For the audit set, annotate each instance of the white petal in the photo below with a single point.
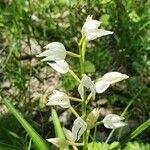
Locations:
(102, 32)
(81, 90)
(119, 124)
(93, 90)
(79, 126)
(56, 51)
(90, 25)
(93, 34)
(86, 81)
(59, 142)
(55, 46)
(61, 66)
(69, 135)
(101, 86)
(114, 77)
(59, 98)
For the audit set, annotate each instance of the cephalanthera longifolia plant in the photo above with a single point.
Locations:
(79, 135)
(55, 54)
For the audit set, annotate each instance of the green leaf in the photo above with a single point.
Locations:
(136, 132)
(105, 19)
(137, 146)
(98, 146)
(4, 146)
(89, 67)
(37, 139)
(68, 81)
(58, 129)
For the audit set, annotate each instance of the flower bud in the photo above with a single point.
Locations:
(92, 117)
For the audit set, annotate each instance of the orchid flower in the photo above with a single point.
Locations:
(54, 51)
(91, 31)
(113, 121)
(108, 79)
(79, 127)
(59, 98)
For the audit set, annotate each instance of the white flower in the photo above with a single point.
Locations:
(79, 126)
(86, 82)
(59, 98)
(92, 117)
(108, 79)
(54, 51)
(59, 142)
(60, 65)
(113, 121)
(91, 31)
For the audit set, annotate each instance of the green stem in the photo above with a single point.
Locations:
(82, 49)
(94, 136)
(110, 135)
(75, 99)
(74, 75)
(74, 111)
(98, 123)
(72, 54)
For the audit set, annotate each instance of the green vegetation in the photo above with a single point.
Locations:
(26, 26)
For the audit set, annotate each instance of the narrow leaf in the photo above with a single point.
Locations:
(134, 134)
(37, 139)
(58, 129)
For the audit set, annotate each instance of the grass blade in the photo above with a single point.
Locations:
(37, 139)
(58, 129)
(136, 132)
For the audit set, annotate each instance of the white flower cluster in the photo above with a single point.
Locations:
(55, 55)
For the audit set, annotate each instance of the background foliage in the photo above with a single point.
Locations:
(27, 25)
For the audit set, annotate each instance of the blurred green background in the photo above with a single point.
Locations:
(26, 26)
